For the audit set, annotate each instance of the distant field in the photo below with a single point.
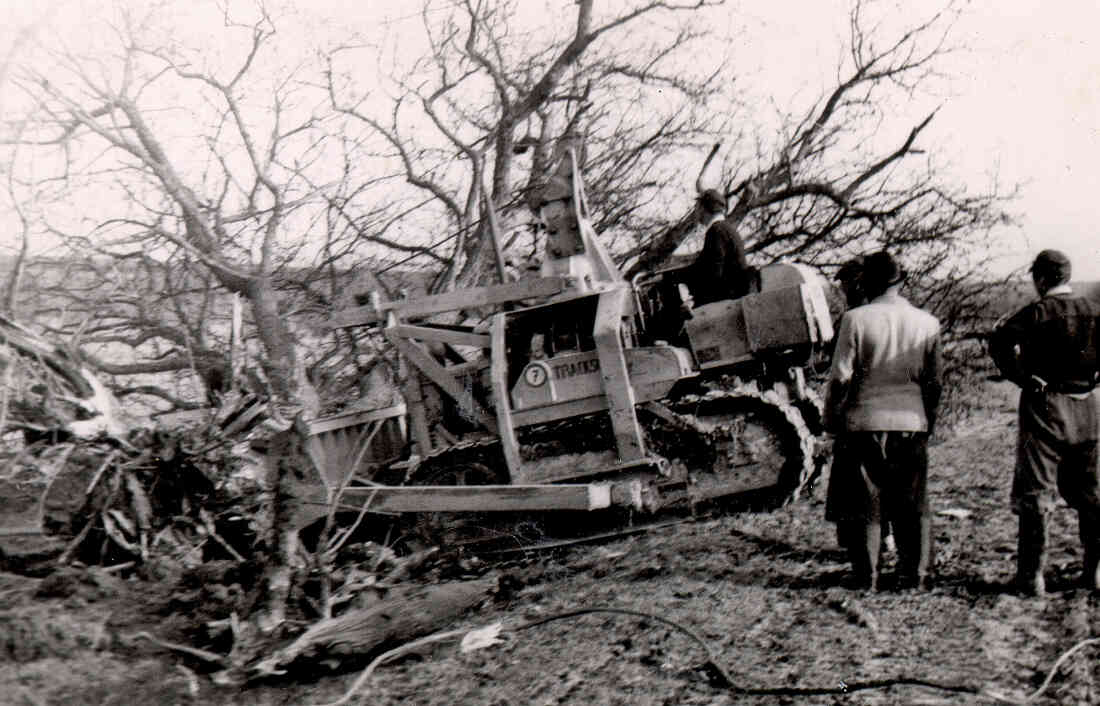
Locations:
(1008, 298)
(1087, 289)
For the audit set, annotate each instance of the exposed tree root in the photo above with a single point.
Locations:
(389, 656)
(1001, 698)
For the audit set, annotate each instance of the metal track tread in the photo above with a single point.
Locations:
(688, 432)
(721, 409)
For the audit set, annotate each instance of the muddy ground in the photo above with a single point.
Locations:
(765, 594)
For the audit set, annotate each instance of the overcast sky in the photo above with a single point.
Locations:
(1024, 102)
(1030, 103)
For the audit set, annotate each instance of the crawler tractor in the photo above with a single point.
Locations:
(584, 391)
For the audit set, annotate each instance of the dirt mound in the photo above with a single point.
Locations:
(36, 633)
(50, 618)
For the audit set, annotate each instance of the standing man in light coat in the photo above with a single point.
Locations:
(884, 390)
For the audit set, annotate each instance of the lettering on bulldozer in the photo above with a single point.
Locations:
(581, 367)
(595, 396)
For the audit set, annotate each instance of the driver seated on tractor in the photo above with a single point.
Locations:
(720, 271)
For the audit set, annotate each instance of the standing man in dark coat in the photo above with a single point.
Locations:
(1050, 349)
(884, 391)
(720, 271)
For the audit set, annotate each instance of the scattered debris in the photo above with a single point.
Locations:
(854, 611)
(481, 638)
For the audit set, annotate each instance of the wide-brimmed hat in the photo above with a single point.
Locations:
(712, 201)
(1051, 264)
(881, 270)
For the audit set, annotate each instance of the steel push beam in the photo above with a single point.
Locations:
(490, 498)
(617, 385)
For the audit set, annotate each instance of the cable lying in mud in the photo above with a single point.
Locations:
(718, 674)
(843, 687)
(711, 660)
(723, 678)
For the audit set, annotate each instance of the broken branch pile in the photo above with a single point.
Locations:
(107, 486)
(210, 507)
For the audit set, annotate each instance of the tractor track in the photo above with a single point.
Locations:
(690, 433)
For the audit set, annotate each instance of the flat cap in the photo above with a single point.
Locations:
(1051, 263)
(881, 270)
(713, 201)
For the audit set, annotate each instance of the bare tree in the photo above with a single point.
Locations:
(196, 182)
(832, 184)
(17, 208)
(9, 298)
(271, 191)
(490, 94)
(489, 101)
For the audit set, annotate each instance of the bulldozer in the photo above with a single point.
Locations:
(584, 391)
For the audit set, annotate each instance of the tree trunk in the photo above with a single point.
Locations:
(294, 401)
(285, 372)
(405, 614)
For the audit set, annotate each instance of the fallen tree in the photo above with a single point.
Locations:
(47, 392)
(405, 613)
(55, 414)
(108, 488)
(217, 502)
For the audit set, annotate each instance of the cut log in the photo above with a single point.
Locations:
(403, 615)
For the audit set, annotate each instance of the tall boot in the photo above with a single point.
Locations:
(914, 537)
(865, 542)
(845, 528)
(1031, 552)
(1089, 527)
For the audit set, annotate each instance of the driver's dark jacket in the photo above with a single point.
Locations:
(721, 270)
(1056, 338)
